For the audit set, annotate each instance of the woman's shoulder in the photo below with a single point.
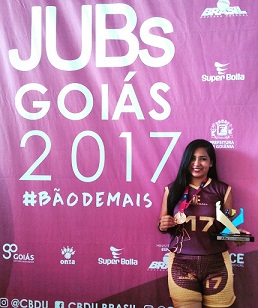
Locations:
(169, 186)
(218, 182)
(218, 185)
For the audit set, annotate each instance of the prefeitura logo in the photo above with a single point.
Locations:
(222, 131)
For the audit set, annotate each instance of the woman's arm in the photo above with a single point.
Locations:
(165, 221)
(228, 207)
(228, 203)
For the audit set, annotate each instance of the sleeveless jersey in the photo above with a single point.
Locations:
(194, 236)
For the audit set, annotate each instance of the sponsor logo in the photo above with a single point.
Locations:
(221, 68)
(67, 253)
(10, 251)
(117, 258)
(223, 9)
(116, 252)
(222, 74)
(237, 260)
(160, 265)
(222, 131)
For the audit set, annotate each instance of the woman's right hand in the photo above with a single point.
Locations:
(166, 222)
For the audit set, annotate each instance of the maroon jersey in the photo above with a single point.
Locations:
(194, 236)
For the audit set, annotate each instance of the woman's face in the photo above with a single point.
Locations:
(200, 164)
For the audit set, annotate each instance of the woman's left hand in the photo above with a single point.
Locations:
(241, 243)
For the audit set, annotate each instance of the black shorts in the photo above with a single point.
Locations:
(207, 279)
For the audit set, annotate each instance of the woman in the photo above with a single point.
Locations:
(199, 272)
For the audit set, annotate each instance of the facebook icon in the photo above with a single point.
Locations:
(59, 304)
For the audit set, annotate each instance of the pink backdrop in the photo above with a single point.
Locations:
(98, 101)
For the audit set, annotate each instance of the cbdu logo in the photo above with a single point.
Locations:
(23, 303)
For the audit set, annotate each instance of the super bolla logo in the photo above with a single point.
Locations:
(223, 72)
(117, 258)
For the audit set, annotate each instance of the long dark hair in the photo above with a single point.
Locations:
(183, 178)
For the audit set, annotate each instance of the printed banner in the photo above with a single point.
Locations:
(98, 101)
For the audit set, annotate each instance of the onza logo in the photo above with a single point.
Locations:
(67, 252)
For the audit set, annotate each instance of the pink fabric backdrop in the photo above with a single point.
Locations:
(98, 101)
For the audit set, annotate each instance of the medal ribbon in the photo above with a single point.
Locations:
(184, 205)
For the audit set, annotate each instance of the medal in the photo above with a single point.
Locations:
(180, 218)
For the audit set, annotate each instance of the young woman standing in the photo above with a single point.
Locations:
(199, 272)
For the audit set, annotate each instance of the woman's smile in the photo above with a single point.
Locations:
(200, 164)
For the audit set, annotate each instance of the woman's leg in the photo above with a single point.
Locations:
(196, 305)
(184, 287)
